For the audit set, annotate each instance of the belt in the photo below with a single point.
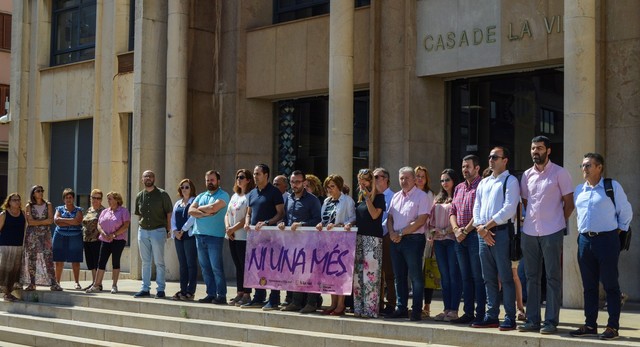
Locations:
(594, 233)
(498, 227)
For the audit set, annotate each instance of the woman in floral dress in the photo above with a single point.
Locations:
(368, 256)
(38, 266)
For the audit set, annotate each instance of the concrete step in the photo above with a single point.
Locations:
(189, 327)
(14, 336)
(110, 335)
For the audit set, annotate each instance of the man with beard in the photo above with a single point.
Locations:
(301, 209)
(266, 207)
(154, 207)
(467, 247)
(547, 196)
(497, 199)
(209, 209)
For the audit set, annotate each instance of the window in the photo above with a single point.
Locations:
(71, 146)
(132, 23)
(73, 34)
(303, 126)
(4, 97)
(5, 32)
(288, 10)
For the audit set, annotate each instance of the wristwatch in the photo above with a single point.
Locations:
(266, 222)
(400, 233)
(464, 231)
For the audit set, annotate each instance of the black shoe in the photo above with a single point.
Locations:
(142, 294)
(416, 316)
(221, 300)
(160, 294)
(584, 331)
(206, 300)
(609, 334)
(487, 323)
(464, 319)
(387, 311)
(253, 304)
(399, 314)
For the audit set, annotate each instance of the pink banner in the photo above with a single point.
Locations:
(305, 260)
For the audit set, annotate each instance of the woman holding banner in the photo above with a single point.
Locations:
(338, 210)
(368, 256)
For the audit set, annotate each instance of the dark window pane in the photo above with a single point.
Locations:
(87, 19)
(61, 4)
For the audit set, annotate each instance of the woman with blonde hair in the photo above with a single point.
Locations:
(368, 256)
(338, 210)
(314, 186)
(423, 182)
(90, 234)
(12, 227)
(113, 225)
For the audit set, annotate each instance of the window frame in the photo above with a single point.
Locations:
(55, 13)
(5, 40)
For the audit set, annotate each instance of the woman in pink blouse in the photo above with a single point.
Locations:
(113, 225)
(441, 233)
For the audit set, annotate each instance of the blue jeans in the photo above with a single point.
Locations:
(188, 260)
(534, 250)
(598, 261)
(210, 259)
(151, 244)
(473, 290)
(406, 258)
(449, 274)
(496, 265)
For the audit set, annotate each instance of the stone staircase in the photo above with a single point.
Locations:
(73, 318)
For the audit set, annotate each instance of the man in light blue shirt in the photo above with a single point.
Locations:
(493, 208)
(209, 209)
(599, 223)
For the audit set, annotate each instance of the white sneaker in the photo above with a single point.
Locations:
(451, 316)
(94, 289)
(114, 289)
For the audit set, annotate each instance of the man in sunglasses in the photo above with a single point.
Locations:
(493, 208)
(547, 196)
(209, 209)
(387, 284)
(599, 222)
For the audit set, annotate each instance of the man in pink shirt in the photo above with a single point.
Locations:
(407, 215)
(547, 195)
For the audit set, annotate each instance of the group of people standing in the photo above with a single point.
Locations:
(32, 255)
(468, 224)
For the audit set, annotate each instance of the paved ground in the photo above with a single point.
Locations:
(570, 318)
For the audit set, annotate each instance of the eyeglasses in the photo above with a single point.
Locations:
(96, 198)
(585, 166)
(14, 199)
(241, 177)
(39, 191)
(445, 180)
(185, 187)
(495, 157)
(364, 171)
(379, 176)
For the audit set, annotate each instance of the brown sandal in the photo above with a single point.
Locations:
(10, 297)
(30, 288)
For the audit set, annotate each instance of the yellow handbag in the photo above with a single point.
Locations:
(431, 272)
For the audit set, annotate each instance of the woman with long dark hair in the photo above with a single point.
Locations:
(37, 246)
(235, 233)
(444, 240)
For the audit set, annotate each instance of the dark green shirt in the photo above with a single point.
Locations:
(153, 207)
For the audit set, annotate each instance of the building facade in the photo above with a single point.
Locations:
(104, 90)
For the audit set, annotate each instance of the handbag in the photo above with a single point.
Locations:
(515, 248)
(431, 273)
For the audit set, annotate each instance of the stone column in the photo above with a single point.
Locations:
(579, 119)
(341, 89)
(149, 93)
(176, 103)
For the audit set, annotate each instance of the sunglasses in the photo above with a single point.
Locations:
(445, 180)
(39, 191)
(364, 171)
(584, 166)
(185, 187)
(96, 198)
(379, 176)
(495, 157)
(241, 177)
